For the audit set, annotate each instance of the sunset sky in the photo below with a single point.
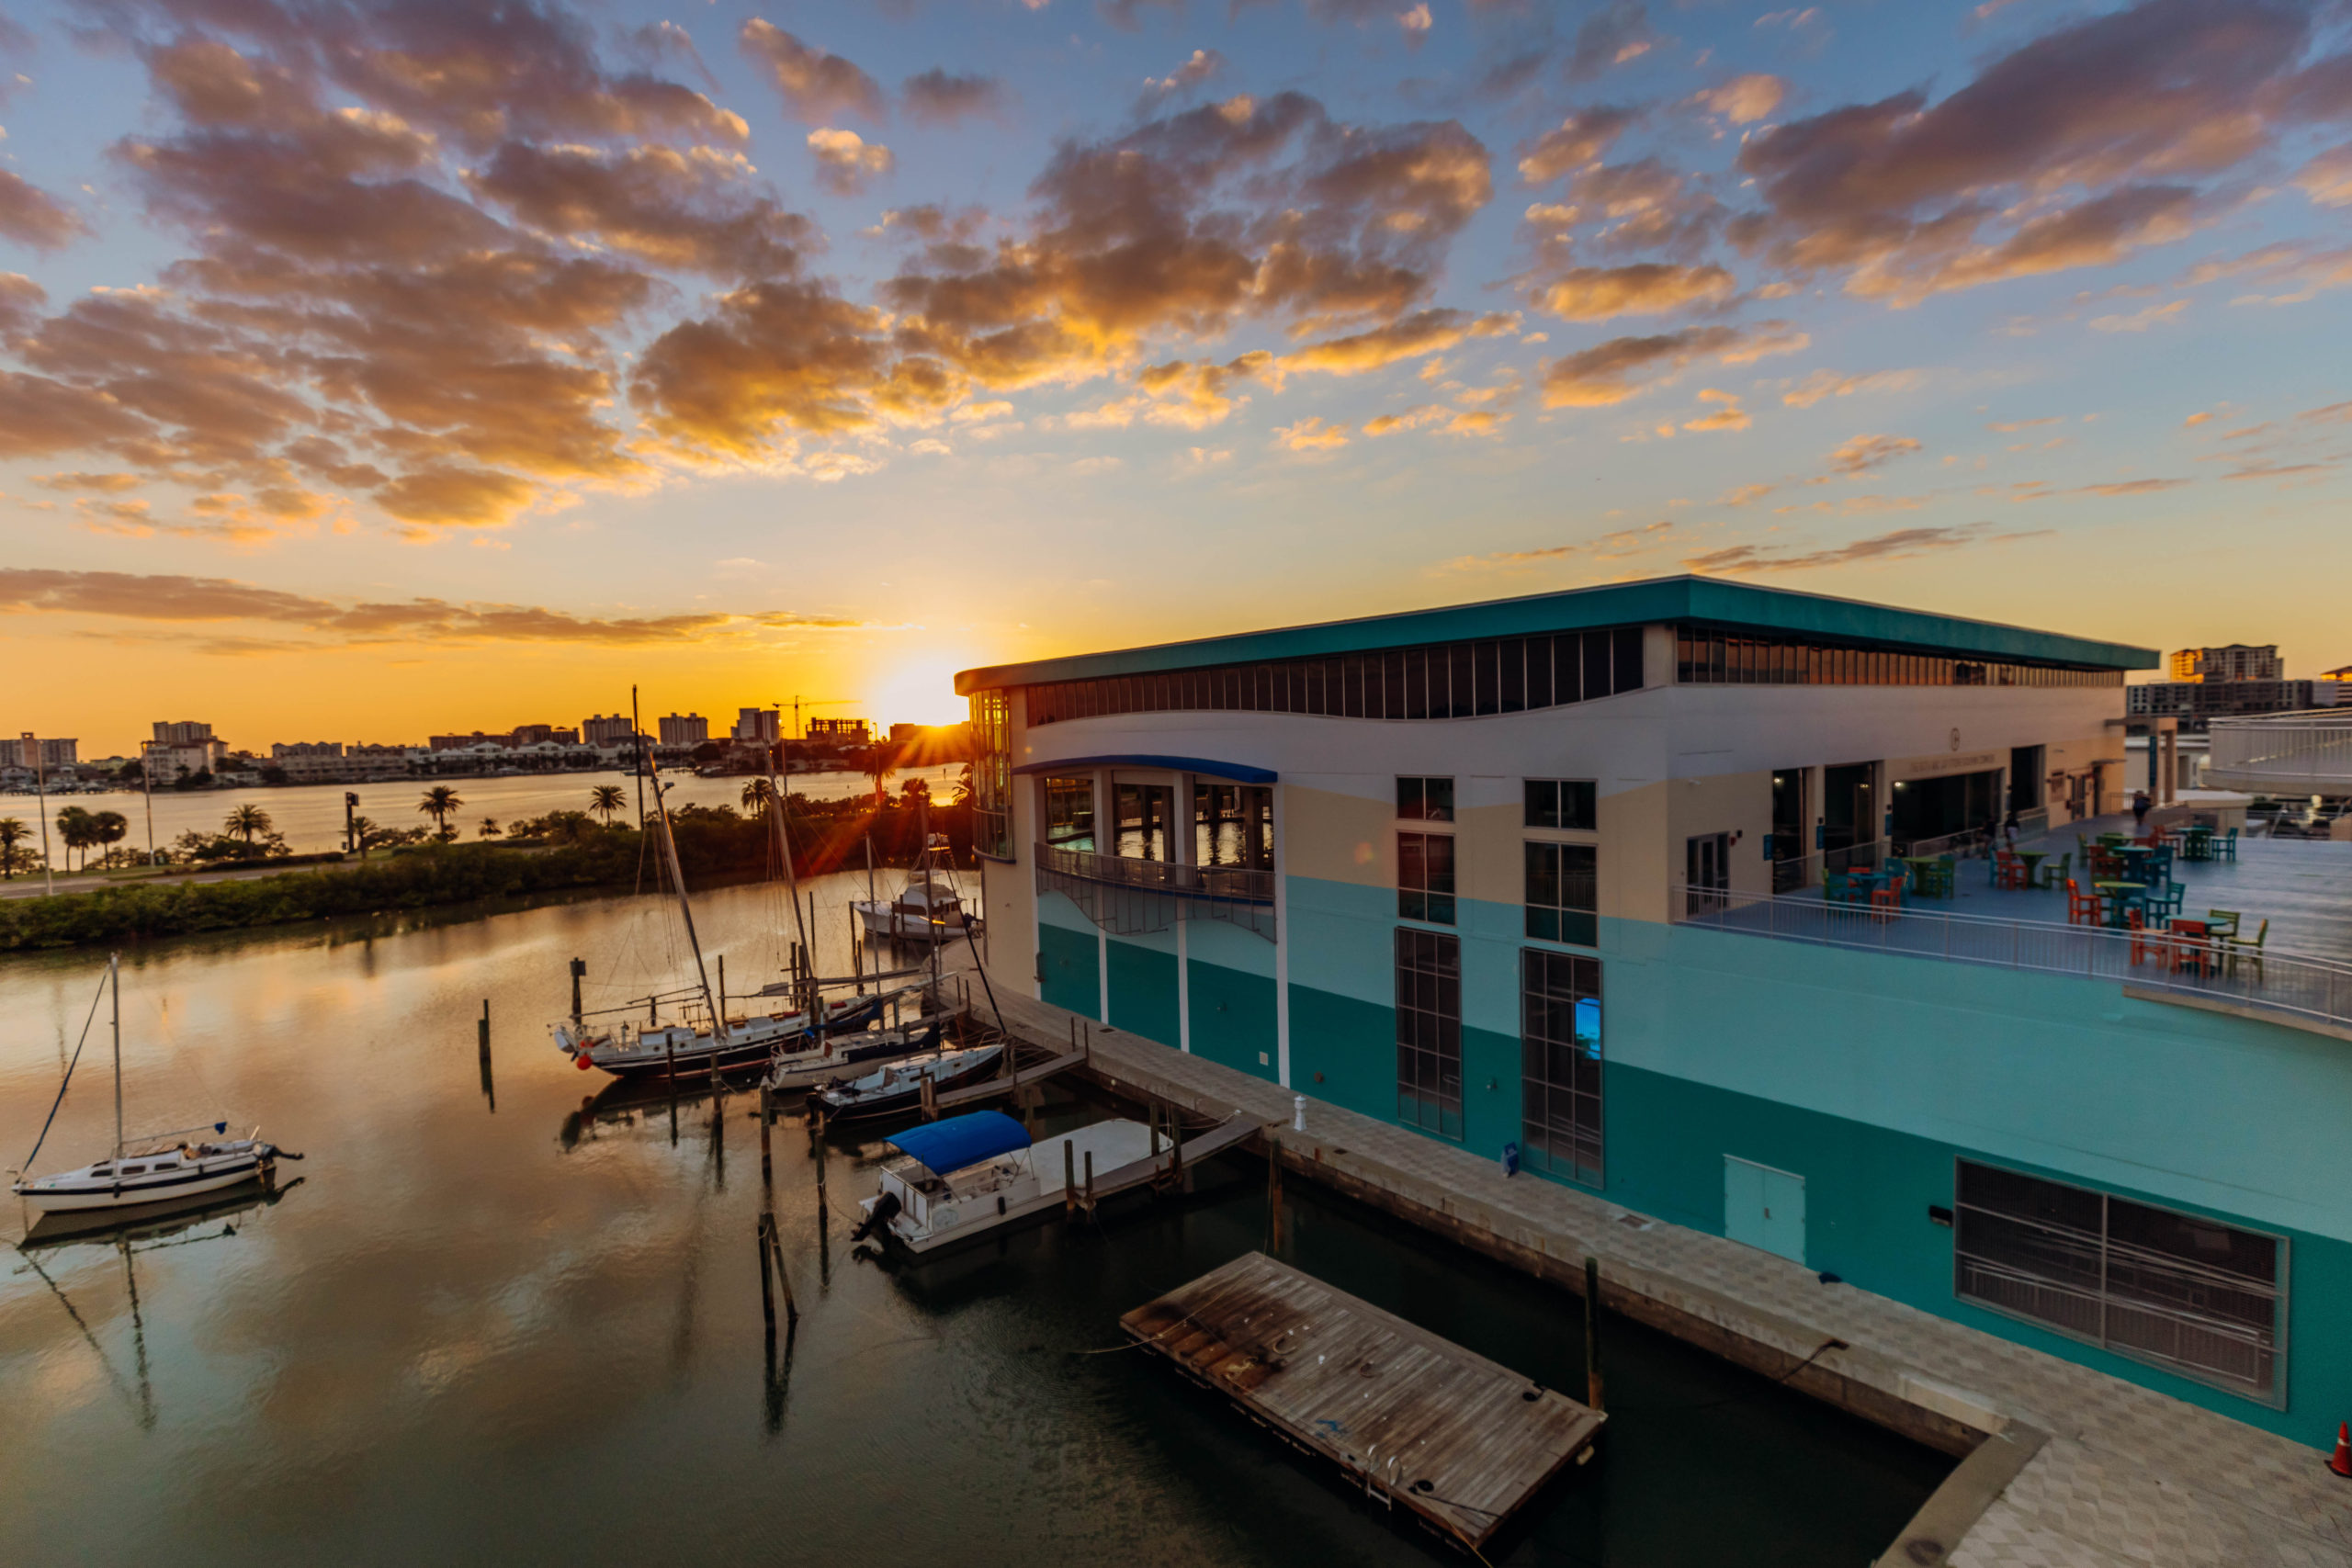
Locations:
(368, 369)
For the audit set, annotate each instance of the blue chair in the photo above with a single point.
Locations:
(2160, 864)
(2226, 848)
(2162, 901)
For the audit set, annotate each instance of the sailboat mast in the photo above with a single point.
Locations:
(783, 848)
(678, 879)
(114, 984)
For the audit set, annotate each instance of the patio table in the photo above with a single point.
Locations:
(2033, 859)
(2120, 896)
(2196, 843)
(2196, 950)
(2136, 862)
(2112, 840)
(1923, 871)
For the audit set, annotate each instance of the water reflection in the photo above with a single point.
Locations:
(532, 1329)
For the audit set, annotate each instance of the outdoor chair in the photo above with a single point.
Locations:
(2141, 942)
(2054, 876)
(2249, 951)
(2226, 847)
(2163, 899)
(1944, 878)
(2083, 908)
(2160, 864)
(2218, 918)
(2192, 953)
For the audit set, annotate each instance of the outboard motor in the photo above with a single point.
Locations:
(885, 1209)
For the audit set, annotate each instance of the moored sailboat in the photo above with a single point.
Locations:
(161, 1168)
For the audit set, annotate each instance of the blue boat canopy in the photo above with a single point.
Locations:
(959, 1140)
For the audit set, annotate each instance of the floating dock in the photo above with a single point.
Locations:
(1414, 1419)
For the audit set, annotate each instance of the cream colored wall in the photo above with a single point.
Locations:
(1738, 804)
(1012, 890)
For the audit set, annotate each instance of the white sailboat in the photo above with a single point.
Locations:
(897, 1086)
(158, 1168)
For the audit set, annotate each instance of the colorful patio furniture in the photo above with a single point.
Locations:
(2249, 951)
(2119, 898)
(2163, 899)
(2081, 908)
(2192, 947)
(2224, 848)
(2141, 942)
(2223, 922)
(2056, 876)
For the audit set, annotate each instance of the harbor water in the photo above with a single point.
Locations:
(503, 1315)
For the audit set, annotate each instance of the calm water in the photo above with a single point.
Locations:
(531, 1331)
(311, 816)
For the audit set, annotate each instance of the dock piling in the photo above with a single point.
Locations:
(767, 1161)
(1592, 1333)
(1090, 1180)
(1274, 1200)
(767, 1288)
(1070, 1178)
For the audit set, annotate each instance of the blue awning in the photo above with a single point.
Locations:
(960, 1140)
(1240, 772)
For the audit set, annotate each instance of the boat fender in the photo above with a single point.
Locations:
(580, 1061)
(999, 1205)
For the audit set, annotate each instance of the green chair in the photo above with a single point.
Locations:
(2249, 951)
(2223, 922)
(2054, 873)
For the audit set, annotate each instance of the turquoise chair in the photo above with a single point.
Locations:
(2162, 901)
(2226, 848)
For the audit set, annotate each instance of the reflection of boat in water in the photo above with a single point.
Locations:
(979, 1175)
(899, 1086)
(154, 1222)
(929, 909)
(161, 1168)
(824, 1060)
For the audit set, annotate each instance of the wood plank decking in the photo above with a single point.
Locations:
(1413, 1419)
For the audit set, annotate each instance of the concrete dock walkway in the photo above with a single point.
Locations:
(2067, 1466)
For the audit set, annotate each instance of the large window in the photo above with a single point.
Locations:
(1070, 813)
(1708, 658)
(1428, 1031)
(992, 775)
(1425, 877)
(1561, 802)
(1233, 825)
(1561, 894)
(1145, 821)
(1560, 1065)
(2190, 1294)
(1425, 800)
(1458, 680)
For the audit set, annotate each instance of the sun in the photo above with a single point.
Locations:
(919, 691)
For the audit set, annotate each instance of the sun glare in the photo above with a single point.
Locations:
(922, 692)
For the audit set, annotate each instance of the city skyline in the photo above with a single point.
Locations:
(836, 350)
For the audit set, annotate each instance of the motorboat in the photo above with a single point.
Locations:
(899, 1086)
(747, 1042)
(927, 910)
(822, 1058)
(161, 1168)
(970, 1175)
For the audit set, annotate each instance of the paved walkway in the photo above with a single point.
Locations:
(2128, 1478)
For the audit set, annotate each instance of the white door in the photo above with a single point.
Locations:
(1764, 1207)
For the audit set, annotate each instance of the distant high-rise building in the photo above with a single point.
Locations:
(2236, 661)
(2195, 702)
(600, 729)
(684, 730)
(45, 753)
(759, 727)
(840, 731)
(468, 742)
(283, 750)
(185, 732)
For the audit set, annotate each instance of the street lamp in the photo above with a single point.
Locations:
(147, 787)
(41, 789)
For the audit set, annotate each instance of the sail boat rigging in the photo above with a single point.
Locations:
(160, 1168)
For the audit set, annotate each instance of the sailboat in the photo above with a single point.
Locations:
(653, 1047)
(160, 1168)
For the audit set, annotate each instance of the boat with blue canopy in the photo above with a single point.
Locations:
(977, 1174)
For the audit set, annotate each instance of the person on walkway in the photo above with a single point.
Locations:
(2009, 830)
(2140, 804)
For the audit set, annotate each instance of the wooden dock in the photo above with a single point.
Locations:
(989, 1089)
(1414, 1419)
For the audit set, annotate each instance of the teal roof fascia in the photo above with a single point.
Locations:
(1737, 606)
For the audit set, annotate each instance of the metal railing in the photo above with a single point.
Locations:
(2266, 979)
(1807, 871)
(1126, 895)
(2305, 753)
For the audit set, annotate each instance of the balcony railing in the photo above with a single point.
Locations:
(2304, 988)
(2307, 753)
(1127, 896)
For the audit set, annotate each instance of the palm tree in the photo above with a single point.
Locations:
(605, 799)
(109, 828)
(248, 822)
(361, 827)
(878, 763)
(13, 832)
(489, 828)
(73, 829)
(439, 803)
(757, 794)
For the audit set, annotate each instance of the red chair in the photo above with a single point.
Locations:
(2192, 952)
(2141, 942)
(2083, 908)
(2012, 871)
